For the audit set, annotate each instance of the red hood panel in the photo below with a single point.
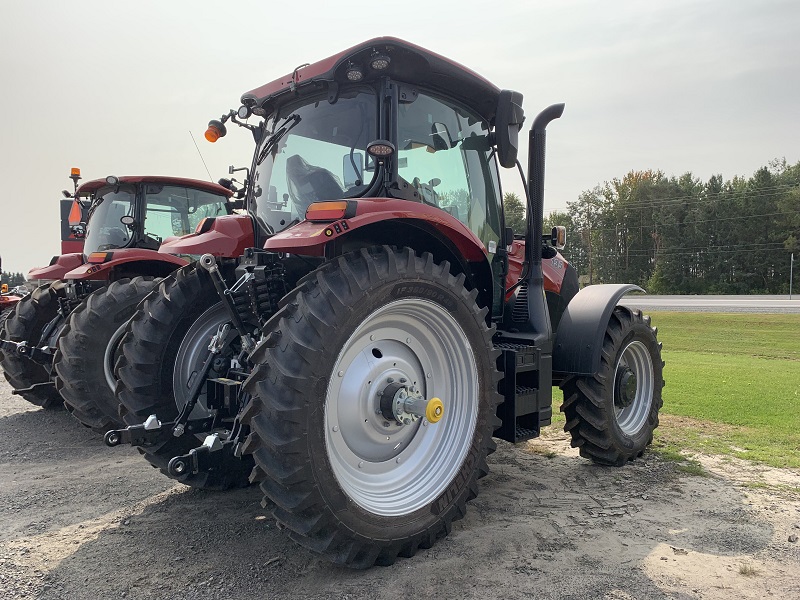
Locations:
(553, 269)
(101, 271)
(228, 237)
(309, 238)
(57, 269)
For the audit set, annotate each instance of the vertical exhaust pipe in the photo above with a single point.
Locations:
(539, 317)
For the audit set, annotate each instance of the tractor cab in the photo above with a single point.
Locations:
(385, 127)
(131, 213)
(143, 211)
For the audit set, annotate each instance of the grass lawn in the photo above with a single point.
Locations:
(733, 384)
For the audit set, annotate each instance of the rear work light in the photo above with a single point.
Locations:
(331, 211)
(100, 257)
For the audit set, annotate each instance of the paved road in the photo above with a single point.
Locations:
(721, 304)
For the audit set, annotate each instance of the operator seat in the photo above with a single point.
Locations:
(308, 183)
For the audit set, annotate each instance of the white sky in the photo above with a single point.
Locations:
(115, 87)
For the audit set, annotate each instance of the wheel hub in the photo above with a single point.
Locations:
(625, 388)
(405, 404)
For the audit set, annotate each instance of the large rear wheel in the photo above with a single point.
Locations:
(26, 323)
(165, 343)
(612, 415)
(353, 471)
(87, 347)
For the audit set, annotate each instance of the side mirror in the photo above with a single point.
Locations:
(507, 125)
(353, 169)
(558, 237)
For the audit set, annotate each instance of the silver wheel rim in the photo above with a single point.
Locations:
(193, 352)
(633, 417)
(396, 469)
(109, 356)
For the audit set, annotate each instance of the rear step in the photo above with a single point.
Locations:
(527, 393)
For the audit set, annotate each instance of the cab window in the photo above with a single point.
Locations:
(444, 153)
(176, 210)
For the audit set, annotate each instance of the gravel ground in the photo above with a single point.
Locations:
(80, 519)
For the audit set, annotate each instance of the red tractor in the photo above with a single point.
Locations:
(70, 243)
(58, 344)
(371, 324)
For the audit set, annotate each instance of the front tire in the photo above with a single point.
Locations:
(26, 324)
(612, 415)
(84, 358)
(346, 480)
(151, 379)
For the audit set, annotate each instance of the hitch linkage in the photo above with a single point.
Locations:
(153, 431)
(42, 356)
(209, 263)
(213, 455)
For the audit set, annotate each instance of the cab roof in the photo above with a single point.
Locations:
(410, 64)
(206, 186)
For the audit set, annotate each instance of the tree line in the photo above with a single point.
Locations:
(12, 279)
(682, 235)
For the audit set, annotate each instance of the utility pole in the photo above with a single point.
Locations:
(791, 273)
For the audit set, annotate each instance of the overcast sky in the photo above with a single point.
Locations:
(116, 87)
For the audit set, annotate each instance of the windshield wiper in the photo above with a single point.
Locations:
(93, 207)
(287, 126)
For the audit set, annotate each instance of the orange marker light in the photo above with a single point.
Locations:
(99, 257)
(74, 172)
(212, 134)
(327, 211)
(216, 129)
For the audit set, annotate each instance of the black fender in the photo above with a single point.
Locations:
(579, 337)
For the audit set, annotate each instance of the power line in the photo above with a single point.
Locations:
(702, 197)
(627, 228)
(695, 251)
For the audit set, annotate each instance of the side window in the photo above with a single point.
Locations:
(204, 204)
(173, 210)
(444, 154)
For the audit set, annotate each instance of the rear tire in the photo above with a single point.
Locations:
(25, 324)
(146, 368)
(317, 434)
(611, 416)
(86, 348)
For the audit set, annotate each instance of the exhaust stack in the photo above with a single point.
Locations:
(539, 319)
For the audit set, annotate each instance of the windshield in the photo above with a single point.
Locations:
(105, 231)
(315, 152)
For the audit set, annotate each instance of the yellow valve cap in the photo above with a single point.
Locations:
(434, 411)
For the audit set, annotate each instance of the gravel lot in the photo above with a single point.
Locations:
(80, 520)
